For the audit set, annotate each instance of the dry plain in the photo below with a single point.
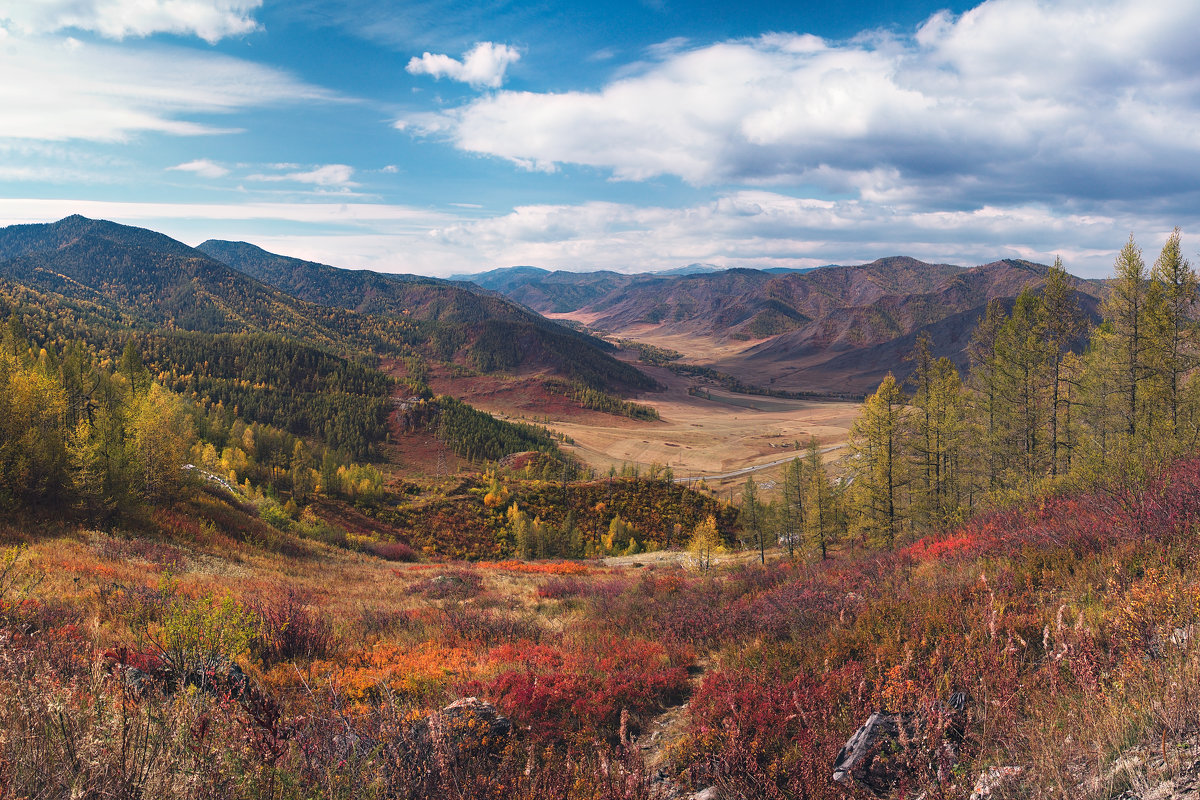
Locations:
(703, 433)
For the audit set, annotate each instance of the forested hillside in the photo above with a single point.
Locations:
(129, 354)
(483, 330)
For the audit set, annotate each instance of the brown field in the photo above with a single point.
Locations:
(696, 436)
(696, 349)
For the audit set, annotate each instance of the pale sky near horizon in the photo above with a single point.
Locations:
(442, 136)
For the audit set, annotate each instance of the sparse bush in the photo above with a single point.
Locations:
(394, 551)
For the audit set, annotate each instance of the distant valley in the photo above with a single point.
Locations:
(835, 329)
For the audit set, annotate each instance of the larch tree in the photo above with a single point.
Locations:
(791, 509)
(1021, 359)
(820, 521)
(753, 517)
(705, 543)
(1126, 310)
(1063, 326)
(1171, 327)
(985, 399)
(876, 442)
(937, 420)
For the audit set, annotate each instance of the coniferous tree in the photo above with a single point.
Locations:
(753, 518)
(938, 404)
(876, 442)
(821, 520)
(987, 404)
(1172, 325)
(792, 504)
(705, 543)
(1063, 325)
(1127, 310)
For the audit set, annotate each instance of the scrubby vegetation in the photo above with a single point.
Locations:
(280, 621)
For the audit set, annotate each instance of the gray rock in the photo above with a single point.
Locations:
(880, 753)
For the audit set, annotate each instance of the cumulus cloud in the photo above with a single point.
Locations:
(104, 92)
(759, 228)
(484, 65)
(749, 228)
(202, 167)
(211, 20)
(1015, 100)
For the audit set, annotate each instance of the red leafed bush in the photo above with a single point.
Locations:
(560, 693)
(394, 551)
(765, 736)
(288, 627)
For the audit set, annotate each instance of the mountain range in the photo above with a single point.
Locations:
(831, 329)
(152, 282)
(834, 329)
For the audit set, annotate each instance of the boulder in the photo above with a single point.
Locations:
(887, 747)
(466, 727)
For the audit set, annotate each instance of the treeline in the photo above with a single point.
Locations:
(1031, 415)
(473, 434)
(733, 384)
(103, 438)
(596, 400)
(264, 377)
(278, 382)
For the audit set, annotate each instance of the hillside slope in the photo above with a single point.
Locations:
(482, 329)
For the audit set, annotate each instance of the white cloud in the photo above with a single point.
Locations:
(210, 20)
(485, 64)
(1015, 101)
(328, 175)
(103, 92)
(755, 228)
(202, 167)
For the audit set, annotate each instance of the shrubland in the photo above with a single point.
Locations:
(288, 623)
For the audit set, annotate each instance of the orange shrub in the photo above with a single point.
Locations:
(420, 674)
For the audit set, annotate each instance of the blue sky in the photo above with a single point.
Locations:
(441, 136)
